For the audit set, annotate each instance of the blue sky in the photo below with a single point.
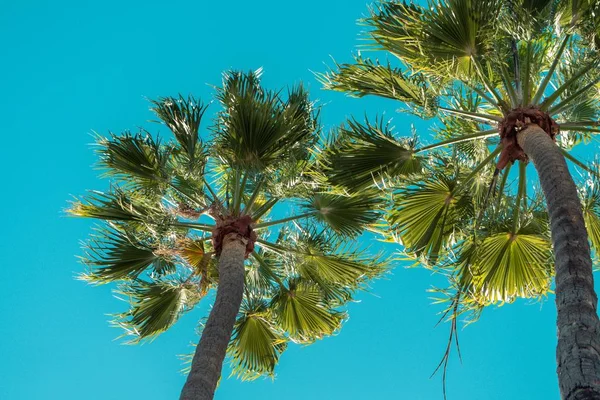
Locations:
(72, 67)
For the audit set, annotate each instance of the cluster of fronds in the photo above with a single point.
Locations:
(469, 63)
(159, 216)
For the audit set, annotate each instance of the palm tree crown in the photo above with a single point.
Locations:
(171, 203)
(479, 79)
(487, 70)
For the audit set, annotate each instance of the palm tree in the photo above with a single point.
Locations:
(495, 72)
(186, 216)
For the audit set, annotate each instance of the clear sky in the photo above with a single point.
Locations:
(70, 67)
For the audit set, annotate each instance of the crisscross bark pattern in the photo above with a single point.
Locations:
(578, 351)
(210, 352)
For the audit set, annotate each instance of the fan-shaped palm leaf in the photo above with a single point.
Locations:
(365, 77)
(155, 306)
(427, 214)
(258, 128)
(504, 266)
(114, 255)
(183, 117)
(135, 156)
(346, 215)
(256, 344)
(365, 153)
(300, 311)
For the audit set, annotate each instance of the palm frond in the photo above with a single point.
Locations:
(442, 37)
(365, 154)
(504, 267)
(155, 306)
(114, 254)
(346, 215)
(258, 129)
(366, 77)
(138, 159)
(116, 205)
(256, 344)
(590, 194)
(302, 313)
(428, 214)
(183, 117)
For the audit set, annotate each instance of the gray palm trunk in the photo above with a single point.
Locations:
(210, 352)
(578, 350)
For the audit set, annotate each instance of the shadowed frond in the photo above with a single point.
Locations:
(345, 215)
(258, 129)
(137, 159)
(364, 154)
(114, 254)
(155, 306)
(183, 117)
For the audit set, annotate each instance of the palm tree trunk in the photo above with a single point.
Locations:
(210, 352)
(578, 350)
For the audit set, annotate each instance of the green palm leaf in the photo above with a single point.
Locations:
(116, 205)
(155, 306)
(302, 313)
(170, 205)
(258, 129)
(366, 77)
(135, 158)
(505, 266)
(591, 208)
(426, 216)
(346, 215)
(183, 117)
(366, 153)
(114, 255)
(256, 344)
(444, 36)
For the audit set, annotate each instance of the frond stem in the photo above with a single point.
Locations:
(566, 102)
(579, 123)
(237, 203)
(526, 82)
(575, 161)
(254, 196)
(215, 198)
(194, 225)
(514, 101)
(483, 95)
(487, 118)
(265, 208)
(517, 69)
(465, 138)
(262, 262)
(520, 196)
(502, 185)
(580, 129)
(486, 83)
(542, 88)
(284, 220)
(556, 94)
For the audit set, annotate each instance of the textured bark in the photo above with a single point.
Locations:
(210, 352)
(578, 350)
